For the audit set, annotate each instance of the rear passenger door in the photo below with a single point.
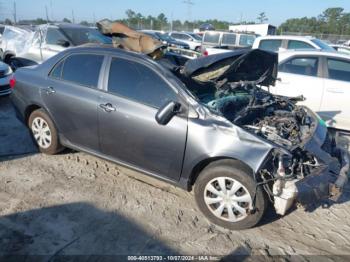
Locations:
(335, 103)
(129, 132)
(299, 75)
(71, 97)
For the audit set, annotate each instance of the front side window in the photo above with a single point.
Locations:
(270, 45)
(53, 35)
(137, 82)
(229, 39)
(338, 69)
(82, 69)
(294, 44)
(301, 66)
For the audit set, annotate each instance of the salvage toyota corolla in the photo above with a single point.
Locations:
(204, 124)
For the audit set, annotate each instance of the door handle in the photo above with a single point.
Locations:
(50, 90)
(108, 107)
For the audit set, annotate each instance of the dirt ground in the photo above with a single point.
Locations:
(75, 203)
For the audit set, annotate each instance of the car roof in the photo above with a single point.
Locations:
(311, 52)
(64, 25)
(104, 48)
(287, 37)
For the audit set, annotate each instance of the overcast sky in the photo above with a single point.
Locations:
(231, 10)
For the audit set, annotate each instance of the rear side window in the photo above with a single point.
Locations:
(211, 38)
(229, 39)
(57, 70)
(137, 82)
(270, 45)
(301, 66)
(246, 40)
(293, 44)
(82, 69)
(338, 70)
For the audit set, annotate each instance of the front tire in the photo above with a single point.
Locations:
(44, 132)
(225, 192)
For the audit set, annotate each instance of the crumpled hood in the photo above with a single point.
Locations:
(243, 65)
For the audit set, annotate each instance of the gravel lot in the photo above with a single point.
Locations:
(74, 203)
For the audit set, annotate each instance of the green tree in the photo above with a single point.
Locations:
(85, 23)
(8, 22)
(66, 20)
(262, 18)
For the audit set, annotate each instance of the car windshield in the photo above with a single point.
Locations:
(197, 37)
(322, 45)
(80, 36)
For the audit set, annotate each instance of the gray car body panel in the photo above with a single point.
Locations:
(168, 152)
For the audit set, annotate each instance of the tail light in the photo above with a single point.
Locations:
(12, 82)
(205, 52)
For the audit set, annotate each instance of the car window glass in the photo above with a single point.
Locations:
(294, 44)
(301, 66)
(211, 37)
(339, 70)
(270, 45)
(82, 69)
(246, 40)
(139, 83)
(53, 35)
(57, 70)
(178, 36)
(229, 39)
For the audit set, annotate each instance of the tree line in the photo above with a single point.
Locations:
(331, 21)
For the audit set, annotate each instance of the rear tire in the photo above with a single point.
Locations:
(225, 190)
(44, 132)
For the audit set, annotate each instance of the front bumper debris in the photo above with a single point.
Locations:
(325, 183)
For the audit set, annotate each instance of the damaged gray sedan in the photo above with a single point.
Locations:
(204, 124)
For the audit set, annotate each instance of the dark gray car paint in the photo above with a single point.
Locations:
(209, 136)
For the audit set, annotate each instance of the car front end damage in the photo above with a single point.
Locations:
(304, 164)
(311, 173)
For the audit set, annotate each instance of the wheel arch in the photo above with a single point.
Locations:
(7, 56)
(29, 110)
(199, 167)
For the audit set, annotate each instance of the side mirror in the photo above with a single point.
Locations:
(167, 112)
(63, 43)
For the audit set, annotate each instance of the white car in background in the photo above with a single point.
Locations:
(279, 43)
(323, 78)
(192, 39)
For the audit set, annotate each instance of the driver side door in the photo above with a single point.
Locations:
(129, 132)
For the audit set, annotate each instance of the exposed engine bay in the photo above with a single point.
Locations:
(231, 85)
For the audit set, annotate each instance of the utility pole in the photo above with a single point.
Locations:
(73, 17)
(47, 14)
(94, 18)
(189, 4)
(51, 9)
(171, 24)
(14, 12)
